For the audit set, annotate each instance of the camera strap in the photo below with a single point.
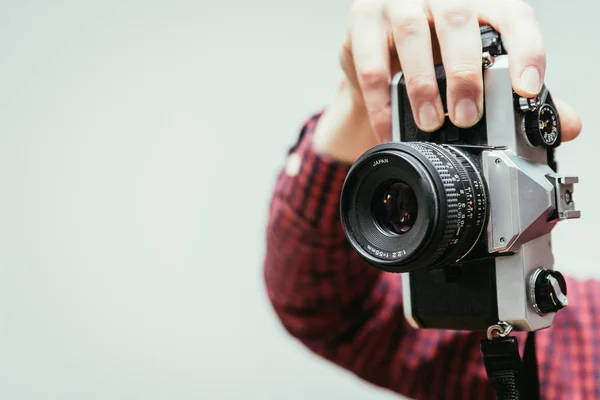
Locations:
(512, 378)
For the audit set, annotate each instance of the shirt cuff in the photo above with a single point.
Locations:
(311, 183)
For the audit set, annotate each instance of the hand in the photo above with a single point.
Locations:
(388, 36)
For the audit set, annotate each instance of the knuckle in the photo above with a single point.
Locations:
(379, 124)
(537, 56)
(407, 24)
(456, 15)
(379, 116)
(372, 78)
(421, 85)
(465, 75)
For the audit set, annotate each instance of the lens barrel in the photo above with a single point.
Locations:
(413, 205)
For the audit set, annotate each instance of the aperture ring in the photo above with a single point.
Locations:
(446, 171)
(476, 200)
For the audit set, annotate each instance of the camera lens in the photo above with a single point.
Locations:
(413, 205)
(395, 207)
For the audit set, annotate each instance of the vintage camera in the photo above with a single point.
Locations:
(466, 214)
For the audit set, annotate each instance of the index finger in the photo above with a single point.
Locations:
(372, 62)
(522, 37)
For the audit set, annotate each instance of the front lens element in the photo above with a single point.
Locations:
(395, 207)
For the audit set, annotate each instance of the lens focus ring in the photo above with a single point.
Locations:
(447, 173)
(466, 200)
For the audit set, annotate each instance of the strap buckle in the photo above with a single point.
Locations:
(503, 328)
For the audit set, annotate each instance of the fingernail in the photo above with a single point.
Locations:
(466, 113)
(531, 80)
(429, 117)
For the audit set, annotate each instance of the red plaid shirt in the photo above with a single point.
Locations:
(351, 313)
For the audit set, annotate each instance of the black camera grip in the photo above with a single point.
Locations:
(491, 43)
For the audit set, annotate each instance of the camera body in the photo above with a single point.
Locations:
(466, 214)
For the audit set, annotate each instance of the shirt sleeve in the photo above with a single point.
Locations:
(351, 313)
(316, 283)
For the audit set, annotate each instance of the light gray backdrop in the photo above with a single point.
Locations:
(139, 142)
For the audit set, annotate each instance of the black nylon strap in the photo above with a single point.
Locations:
(503, 366)
(512, 379)
(506, 385)
(531, 383)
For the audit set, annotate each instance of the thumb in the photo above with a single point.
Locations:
(570, 123)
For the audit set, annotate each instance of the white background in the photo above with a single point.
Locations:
(139, 143)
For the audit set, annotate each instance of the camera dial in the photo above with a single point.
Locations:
(548, 291)
(540, 123)
(542, 126)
